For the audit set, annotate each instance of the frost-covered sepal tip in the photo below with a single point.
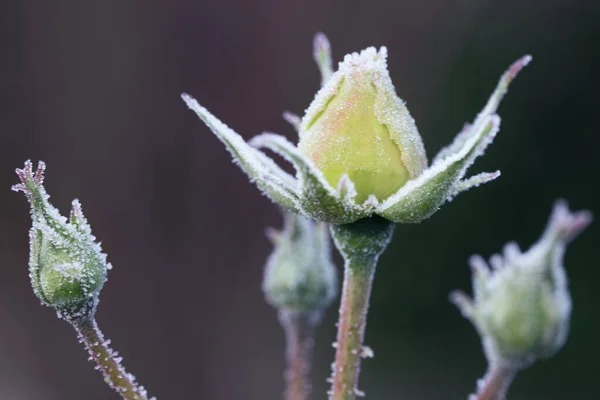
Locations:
(445, 178)
(66, 266)
(521, 305)
(300, 274)
(359, 152)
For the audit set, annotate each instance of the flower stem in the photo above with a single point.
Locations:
(107, 360)
(361, 243)
(495, 384)
(299, 329)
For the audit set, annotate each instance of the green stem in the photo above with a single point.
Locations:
(299, 327)
(495, 384)
(361, 243)
(107, 360)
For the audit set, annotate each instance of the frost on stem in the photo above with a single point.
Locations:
(521, 305)
(108, 361)
(361, 243)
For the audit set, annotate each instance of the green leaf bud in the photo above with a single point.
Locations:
(521, 306)
(66, 266)
(299, 274)
(357, 125)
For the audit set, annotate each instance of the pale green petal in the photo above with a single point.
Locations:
(357, 125)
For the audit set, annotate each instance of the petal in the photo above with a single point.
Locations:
(423, 196)
(275, 183)
(318, 200)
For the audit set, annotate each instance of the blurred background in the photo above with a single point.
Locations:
(92, 88)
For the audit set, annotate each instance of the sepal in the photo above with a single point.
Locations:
(422, 196)
(273, 181)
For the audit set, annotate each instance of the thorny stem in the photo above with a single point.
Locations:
(107, 360)
(495, 384)
(299, 329)
(360, 243)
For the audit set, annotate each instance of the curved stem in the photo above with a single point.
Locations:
(299, 329)
(495, 384)
(360, 243)
(107, 360)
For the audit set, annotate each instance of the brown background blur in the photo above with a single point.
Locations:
(92, 88)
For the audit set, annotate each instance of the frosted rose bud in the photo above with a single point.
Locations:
(359, 152)
(66, 266)
(357, 125)
(521, 306)
(300, 274)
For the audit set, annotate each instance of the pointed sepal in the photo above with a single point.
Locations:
(274, 182)
(422, 196)
(322, 56)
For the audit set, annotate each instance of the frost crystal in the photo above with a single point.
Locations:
(66, 266)
(360, 153)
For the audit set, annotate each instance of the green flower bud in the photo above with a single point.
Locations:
(300, 275)
(358, 126)
(67, 267)
(522, 307)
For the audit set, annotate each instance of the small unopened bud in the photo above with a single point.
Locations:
(66, 266)
(521, 306)
(358, 126)
(300, 275)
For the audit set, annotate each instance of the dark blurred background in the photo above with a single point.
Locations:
(92, 88)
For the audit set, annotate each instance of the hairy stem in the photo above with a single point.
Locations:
(107, 360)
(361, 243)
(495, 384)
(299, 329)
